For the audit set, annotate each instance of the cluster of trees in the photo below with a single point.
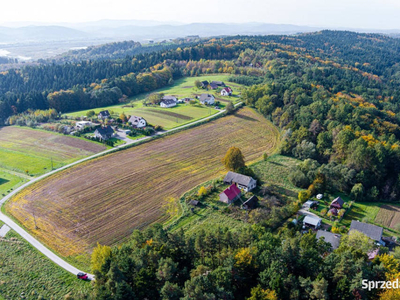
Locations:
(32, 117)
(220, 263)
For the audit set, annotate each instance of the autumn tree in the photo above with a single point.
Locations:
(99, 256)
(229, 108)
(234, 159)
(197, 84)
(123, 117)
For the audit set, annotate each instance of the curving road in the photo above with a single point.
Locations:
(38, 245)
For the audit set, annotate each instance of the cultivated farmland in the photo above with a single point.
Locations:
(25, 149)
(103, 200)
(388, 216)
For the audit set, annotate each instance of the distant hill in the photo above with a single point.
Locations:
(40, 33)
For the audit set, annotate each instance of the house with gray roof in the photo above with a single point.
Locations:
(137, 122)
(331, 238)
(243, 182)
(104, 114)
(168, 101)
(104, 133)
(207, 99)
(313, 222)
(372, 231)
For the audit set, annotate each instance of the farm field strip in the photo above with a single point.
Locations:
(104, 199)
(25, 149)
(388, 216)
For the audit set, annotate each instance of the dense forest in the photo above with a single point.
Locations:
(248, 264)
(116, 50)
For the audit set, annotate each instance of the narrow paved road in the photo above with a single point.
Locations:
(33, 241)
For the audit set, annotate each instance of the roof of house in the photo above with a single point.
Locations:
(206, 97)
(217, 82)
(194, 202)
(169, 98)
(309, 203)
(251, 202)
(232, 192)
(205, 82)
(228, 89)
(213, 85)
(338, 200)
(237, 178)
(105, 130)
(312, 220)
(135, 119)
(168, 101)
(104, 113)
(372, 231)
(331, 238)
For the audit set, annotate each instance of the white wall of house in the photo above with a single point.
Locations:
(162, 104)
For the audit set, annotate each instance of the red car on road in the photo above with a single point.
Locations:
(82, 276)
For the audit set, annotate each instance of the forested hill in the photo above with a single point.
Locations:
(116, 50)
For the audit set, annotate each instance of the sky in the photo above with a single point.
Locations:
(366, 14)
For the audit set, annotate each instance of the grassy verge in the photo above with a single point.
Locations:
(8, 182)
(25, 273)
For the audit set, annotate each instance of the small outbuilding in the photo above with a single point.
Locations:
(194, 202)
(250, 203)
(310, 204)
(313, 222)
(337, 203)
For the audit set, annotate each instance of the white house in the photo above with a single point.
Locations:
(82, 124)
(243, 182)
(226, 91)
(137, 122)
(168, 101)
(207, 99)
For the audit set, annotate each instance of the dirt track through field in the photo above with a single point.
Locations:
(105, 199)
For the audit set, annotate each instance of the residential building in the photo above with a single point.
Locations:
(207, 99)
(230, 194)
(137, 122)
(104, 133)
(168, 101)
(218, 83)
(243, 182)
(372, 231)
(227, 91)
(104, 114)
(331, 238)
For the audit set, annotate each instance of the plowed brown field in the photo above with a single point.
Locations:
(105, 199)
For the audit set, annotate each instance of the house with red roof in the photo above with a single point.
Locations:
(229, 195)
(226, 91)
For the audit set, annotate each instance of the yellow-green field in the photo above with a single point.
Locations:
(33, 152)
(174, 116)
(105, 199)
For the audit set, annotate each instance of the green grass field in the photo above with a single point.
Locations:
(8, 182)
(34, 152)
(274, 173)
(27, 274)
(175, 116)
